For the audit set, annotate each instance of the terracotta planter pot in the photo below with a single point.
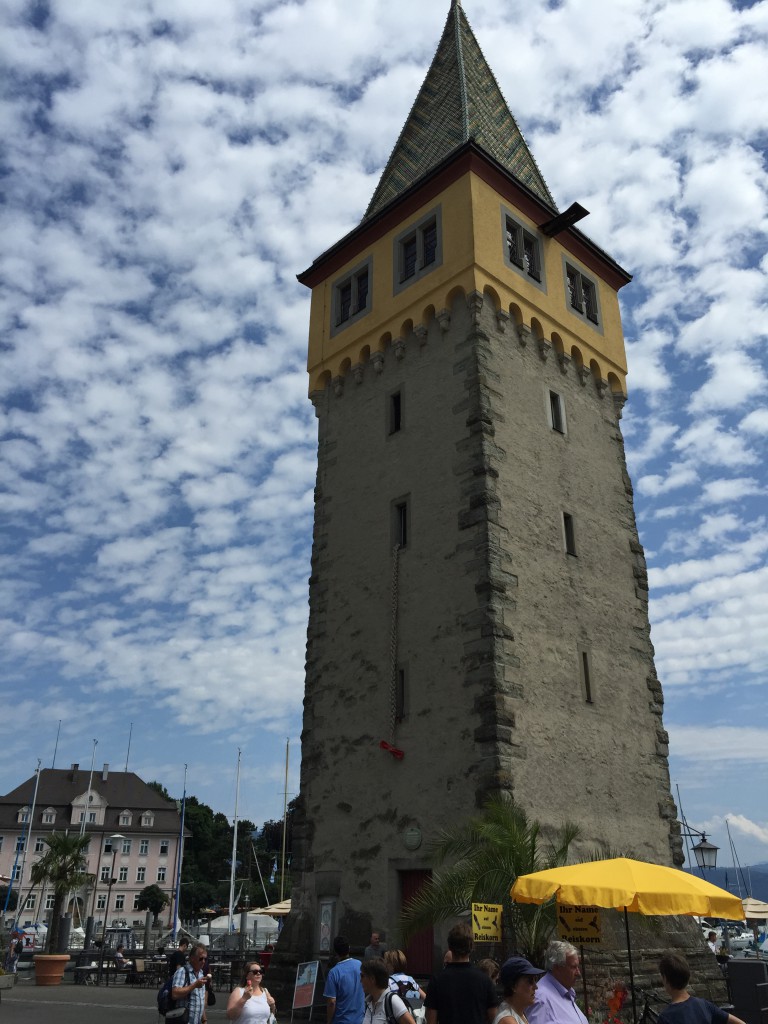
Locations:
(49, 968)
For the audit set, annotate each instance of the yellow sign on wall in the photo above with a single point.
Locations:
(486, 922)
(579, 925)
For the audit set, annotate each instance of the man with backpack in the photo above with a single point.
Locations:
(188, 985)
(179, 957)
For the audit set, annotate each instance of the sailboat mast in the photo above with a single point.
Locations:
(179, 857)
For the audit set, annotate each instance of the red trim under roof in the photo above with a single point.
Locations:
(467, 158)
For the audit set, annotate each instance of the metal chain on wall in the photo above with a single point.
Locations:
(393, 644)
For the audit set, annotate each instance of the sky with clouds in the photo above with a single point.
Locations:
(168, 166)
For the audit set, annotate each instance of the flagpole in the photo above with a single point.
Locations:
(285, 821)
(56, 746)
(234, 850)
(27, 835)
(179, 856)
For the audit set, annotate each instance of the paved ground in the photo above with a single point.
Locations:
(88, 1004)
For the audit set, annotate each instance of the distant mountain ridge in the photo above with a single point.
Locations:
(749, 881)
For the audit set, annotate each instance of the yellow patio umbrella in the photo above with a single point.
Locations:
(628, 885)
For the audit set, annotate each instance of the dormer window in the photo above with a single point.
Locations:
(22, 815)
(49, 816)
(126, 818)
(147, 819)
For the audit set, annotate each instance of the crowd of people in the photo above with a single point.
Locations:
(380, 991)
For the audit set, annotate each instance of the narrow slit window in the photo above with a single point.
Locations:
(395, 412)
(556, 412)
(569, 533)
(400, 523)
(586, 676)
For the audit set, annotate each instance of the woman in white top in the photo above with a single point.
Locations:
(374, 977)
(518, 979)
(249, 1001)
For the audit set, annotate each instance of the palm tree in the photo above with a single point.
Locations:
(62, 866)
(479, 862)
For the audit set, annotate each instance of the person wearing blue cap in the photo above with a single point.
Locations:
(518, 979)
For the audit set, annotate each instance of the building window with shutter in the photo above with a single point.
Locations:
(523, 248)
(582, 295)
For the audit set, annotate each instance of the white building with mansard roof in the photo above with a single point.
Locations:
(108, 804)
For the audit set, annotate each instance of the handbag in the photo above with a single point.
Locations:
(180, 1015)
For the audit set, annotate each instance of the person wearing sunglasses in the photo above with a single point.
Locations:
(250, 1001)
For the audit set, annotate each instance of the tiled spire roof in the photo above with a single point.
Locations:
(459, 100)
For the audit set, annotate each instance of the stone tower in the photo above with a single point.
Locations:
(478, 597)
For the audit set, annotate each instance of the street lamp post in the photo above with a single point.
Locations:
(113, 840)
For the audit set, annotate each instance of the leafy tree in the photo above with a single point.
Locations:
(152, 898)
(13, 901)
(479, 863)
(160, 789)
(62, 867)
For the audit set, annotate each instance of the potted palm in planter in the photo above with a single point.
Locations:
(62, 868)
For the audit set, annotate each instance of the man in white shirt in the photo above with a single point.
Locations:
(555, 1001)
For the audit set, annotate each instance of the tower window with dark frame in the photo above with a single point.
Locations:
(556, 414)
(400, 523)
(569, 533)
(395, 412)
(586, 676)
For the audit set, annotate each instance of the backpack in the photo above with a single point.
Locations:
(390, 1013)
(403, 988)
(165, 1000)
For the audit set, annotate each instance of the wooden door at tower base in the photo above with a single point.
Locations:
(419, 951)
